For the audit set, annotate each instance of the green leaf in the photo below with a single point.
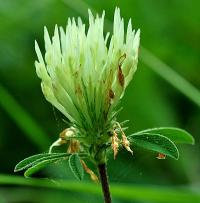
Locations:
(35, 159)
(30, 171)
(157, 143)
(76, 166)
(176, 135)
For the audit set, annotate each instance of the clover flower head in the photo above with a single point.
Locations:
(85, 73)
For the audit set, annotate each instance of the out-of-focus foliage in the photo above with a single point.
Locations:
(169, 29)
(88, 192)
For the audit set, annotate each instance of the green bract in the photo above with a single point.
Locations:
(85, 73)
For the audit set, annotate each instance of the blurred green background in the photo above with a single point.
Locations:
(157, 96)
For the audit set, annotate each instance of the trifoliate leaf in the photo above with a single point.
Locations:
(176, 135)
(40, 165)
(35, 159)
(76, 166)
(157, 143)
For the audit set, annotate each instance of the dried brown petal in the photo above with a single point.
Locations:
(111, 94)
(74, 146)
(161, 156)
(126, 143)
(67, 133)
(93, 176)
(120, 76)
(115, 144)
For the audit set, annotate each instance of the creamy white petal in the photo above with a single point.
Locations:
(85, 73)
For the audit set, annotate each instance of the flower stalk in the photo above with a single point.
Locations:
(104, 183)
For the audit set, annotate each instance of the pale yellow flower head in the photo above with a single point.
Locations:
(85, 73)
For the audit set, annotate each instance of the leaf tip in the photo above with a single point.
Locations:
(192, 140)
(17, 168)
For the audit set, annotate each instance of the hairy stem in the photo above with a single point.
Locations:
(104, 183)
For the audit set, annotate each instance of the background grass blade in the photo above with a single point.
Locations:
(26, 123)
(124, 192)
(168, 74)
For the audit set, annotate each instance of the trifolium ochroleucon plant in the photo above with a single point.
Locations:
(84, 74)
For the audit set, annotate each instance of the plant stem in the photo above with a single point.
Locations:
(104, 183)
